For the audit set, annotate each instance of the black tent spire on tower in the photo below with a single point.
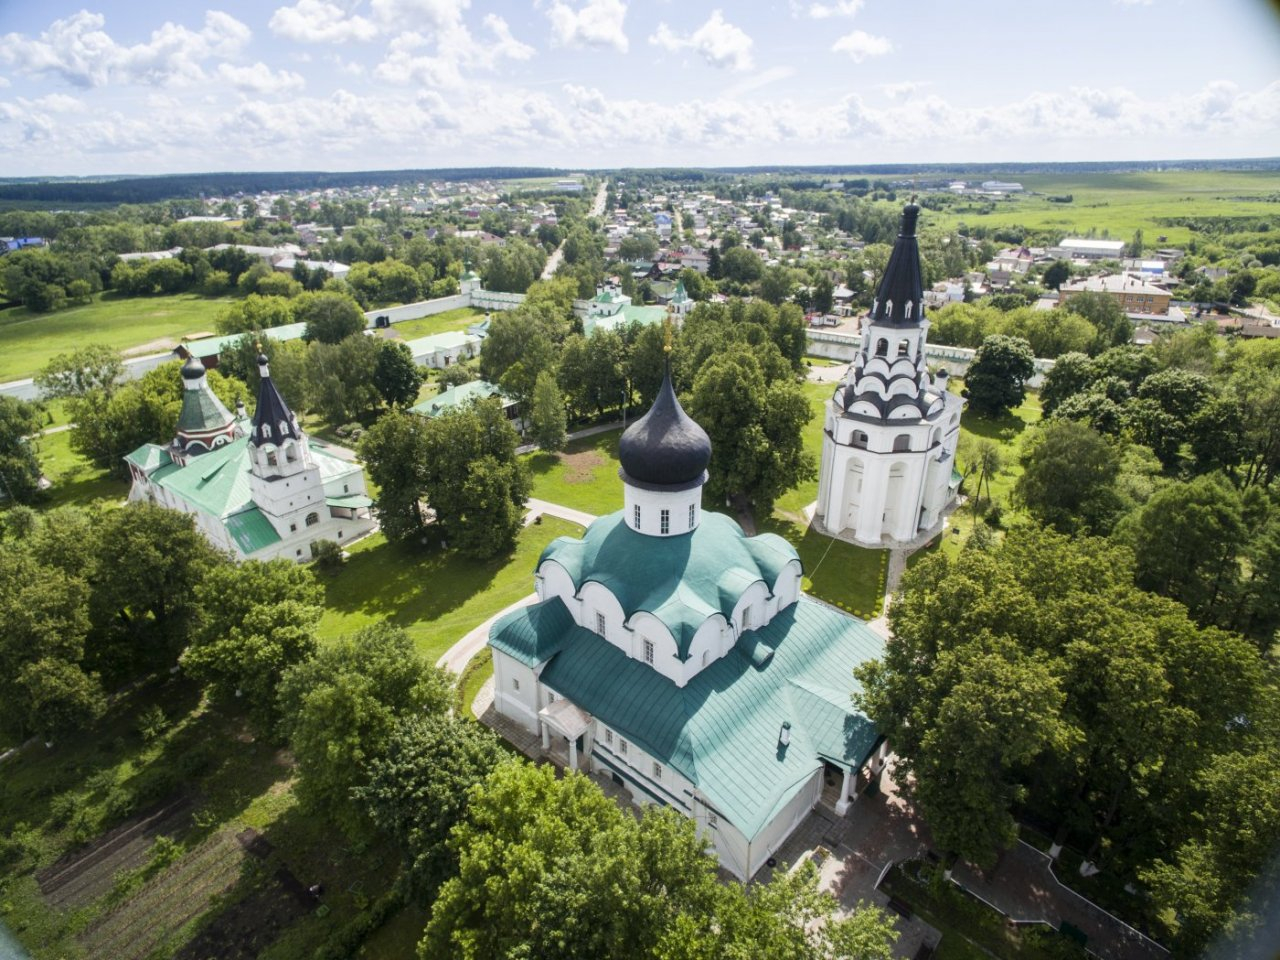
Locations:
(273, 421)
(900, 296)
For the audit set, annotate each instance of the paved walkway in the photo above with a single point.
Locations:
(1023, 887)
(577, 435)
(538, 507)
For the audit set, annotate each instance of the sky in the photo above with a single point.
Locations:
(93, 87)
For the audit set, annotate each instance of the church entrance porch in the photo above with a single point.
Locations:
(563, 727)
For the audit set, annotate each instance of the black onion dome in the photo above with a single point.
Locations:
(665, 447)
(900, 296)
(193, 369)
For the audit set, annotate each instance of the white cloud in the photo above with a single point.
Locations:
(259, 78)
(597, 23)
(720, 43)
(317, 21)
(58, 103)
(841, 8)
(82, 53)
(455, 49)
(4, 82)
(860, 45)
(415, 14)
(903, 89)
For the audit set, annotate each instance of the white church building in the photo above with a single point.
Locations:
(891, 429)
(259, 488)
(675, 655)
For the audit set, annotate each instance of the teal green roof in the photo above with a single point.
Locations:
(956, 476)
(212, 346)
(456, 397)
(533, 634)
(681, 580)
(644, 315)
(440, 341)
(218, 481)
(720, 731)
(149, 457)
(351, 501)
(251, 530)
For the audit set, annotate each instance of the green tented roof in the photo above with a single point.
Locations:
(682, 580)
(351, 501)
(720, 731)
(150, 456)
(251, 530)
(202, 411)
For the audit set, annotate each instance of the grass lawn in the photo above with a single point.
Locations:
(584, 476)
(436, 596)
(458, 319)
(29, 340)
(1006, 431)
(76, 482)
(790, 505)
(844, 575)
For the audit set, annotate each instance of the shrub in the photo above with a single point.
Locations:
(152, 722)
(328, 556)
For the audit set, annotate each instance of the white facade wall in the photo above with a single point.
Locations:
(515, 690)
(680, 507)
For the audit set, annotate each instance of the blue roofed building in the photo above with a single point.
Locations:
(679, 657)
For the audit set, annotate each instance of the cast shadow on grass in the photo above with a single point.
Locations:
(409, 584)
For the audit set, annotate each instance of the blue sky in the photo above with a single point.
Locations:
(134, 86)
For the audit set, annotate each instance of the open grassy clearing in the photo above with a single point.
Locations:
(458, 319)
(29, 340)
(584, 476)
(76, 482)
(435, 595)
(1120, 203)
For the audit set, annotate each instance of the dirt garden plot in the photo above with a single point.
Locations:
(580, 467)
(244, 929)
(169, 901)
(86, 874)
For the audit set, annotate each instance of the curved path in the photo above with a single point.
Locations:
(459, 655)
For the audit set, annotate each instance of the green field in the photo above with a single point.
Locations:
(30, 340)
(458, 319)
(1117, 204)
(436, 596)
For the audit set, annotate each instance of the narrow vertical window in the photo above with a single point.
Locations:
(648, 651)
(693, 507)
(746, 618)
(664, 522)
(515, 684)
(636, 513)
(602, 627)
(608, 737)
(622, 746)
(657, 771)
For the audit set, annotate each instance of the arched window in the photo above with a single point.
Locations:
(908, 310)
(860, 439)
(903, 347)
(882, 347)
(901, 442)
(284, 428)
(271, 459)
(290, 453)
(313, 519)
(888, 308)
(265, 431)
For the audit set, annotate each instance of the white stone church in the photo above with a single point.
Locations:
(889, 442)
(259, 488)
(677, 656)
